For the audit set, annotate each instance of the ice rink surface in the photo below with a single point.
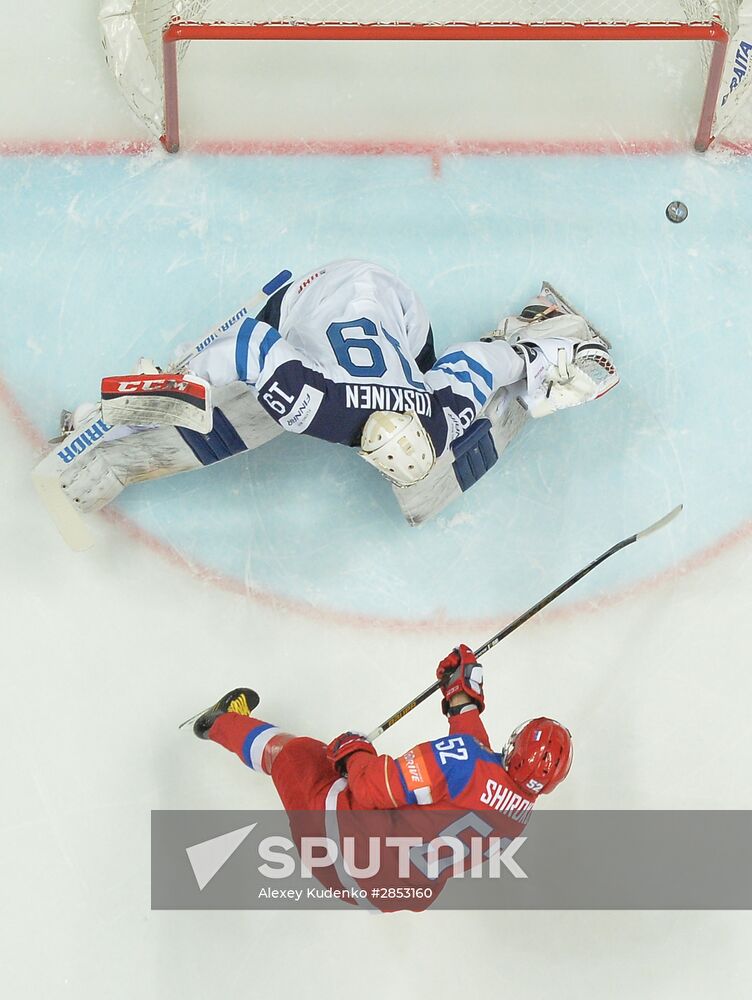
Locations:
(291, 570)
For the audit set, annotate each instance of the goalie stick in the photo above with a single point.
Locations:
(527, 615)
(71, 524)
(249, 309)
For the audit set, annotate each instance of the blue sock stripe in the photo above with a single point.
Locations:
(466, 378)
(248, 742)
(472, 364)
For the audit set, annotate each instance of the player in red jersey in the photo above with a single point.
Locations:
(328, 791)
(457, 771)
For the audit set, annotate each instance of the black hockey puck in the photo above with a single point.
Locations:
(676, 211)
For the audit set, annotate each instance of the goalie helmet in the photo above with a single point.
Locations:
(398, 445)
(538, 755)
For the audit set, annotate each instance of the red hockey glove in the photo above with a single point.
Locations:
(348, 743)
(460, 673)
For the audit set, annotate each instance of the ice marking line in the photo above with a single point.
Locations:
(347, 619)
(435, 151)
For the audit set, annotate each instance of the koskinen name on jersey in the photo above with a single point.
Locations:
(387, 397)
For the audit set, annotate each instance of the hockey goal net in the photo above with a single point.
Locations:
(145, 40)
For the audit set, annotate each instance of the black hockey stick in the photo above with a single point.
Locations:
(527, 615)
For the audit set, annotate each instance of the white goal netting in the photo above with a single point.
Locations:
(132, 29)
(155, 12)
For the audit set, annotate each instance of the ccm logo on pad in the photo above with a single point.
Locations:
(147, 383)
(163, 385)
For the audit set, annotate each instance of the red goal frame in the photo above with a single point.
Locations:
(180, 31)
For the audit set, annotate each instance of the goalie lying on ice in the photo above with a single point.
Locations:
(344, 354)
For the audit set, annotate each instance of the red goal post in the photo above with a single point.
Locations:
(166, 26)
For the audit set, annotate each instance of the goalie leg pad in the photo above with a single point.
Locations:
(240, 424)
(91, 482)
(100, 474)
(95, 462)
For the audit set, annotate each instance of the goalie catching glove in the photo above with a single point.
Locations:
(562, 372)
(461, 673)
(567, 362)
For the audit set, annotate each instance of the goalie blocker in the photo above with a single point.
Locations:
(157, 398)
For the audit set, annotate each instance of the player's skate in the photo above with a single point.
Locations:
(240, 701)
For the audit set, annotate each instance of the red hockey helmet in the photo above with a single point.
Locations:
(538, 755)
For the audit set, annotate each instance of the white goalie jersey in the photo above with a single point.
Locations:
(350, 339)
(325, 353)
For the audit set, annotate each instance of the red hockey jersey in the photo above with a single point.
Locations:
(458, 771)
(455, 786)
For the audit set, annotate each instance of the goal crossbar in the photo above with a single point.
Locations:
(177, 31)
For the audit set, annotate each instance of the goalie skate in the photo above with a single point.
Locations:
(549, 293)
(66, 426)
(515, 328)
